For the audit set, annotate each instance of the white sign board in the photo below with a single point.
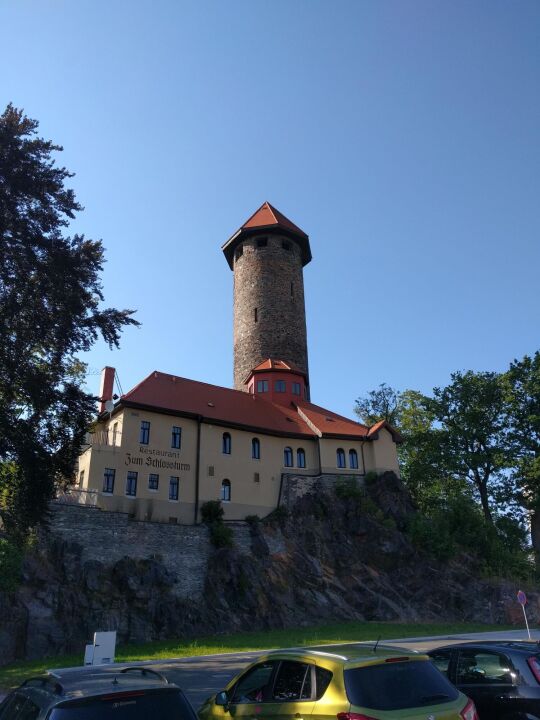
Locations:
(103, 650)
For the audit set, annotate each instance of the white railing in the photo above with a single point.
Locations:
(103, 438)
(72, 496)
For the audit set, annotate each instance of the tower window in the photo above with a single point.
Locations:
(296, 388)
(226, 491)
(301, 458)
(226, 444)
(340, 457)
(288, 457)
(262, 386)
(239, 252)
(255, 315)
(262, 242)
(286, 245)
(256, 449)
(292, 290)
(280, 386)
(353, 459)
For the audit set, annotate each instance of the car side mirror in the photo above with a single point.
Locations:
(222, 699)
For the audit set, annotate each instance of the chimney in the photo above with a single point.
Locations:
(106, 387)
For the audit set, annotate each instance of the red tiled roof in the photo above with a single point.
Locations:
(162, 392)
(270, 364)
(266, 216)
(374, 431)
(168, 393)
(329, 424)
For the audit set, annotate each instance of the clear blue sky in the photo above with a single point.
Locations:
(403, 137)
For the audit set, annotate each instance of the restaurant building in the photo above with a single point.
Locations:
(170, 444)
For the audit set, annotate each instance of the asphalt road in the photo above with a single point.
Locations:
(202, 676)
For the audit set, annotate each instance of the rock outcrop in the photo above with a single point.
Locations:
(329, 557)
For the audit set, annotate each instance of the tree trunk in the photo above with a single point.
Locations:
(484, 499)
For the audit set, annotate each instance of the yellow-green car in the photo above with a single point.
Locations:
(352, 682)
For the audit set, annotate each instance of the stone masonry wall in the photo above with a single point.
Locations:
(108, 537)
(296, 486)
(269, 279)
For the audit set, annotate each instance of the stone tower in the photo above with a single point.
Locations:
(267, 255)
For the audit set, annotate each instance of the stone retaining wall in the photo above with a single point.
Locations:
(295, 486)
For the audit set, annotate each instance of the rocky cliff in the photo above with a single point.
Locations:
(333, 554)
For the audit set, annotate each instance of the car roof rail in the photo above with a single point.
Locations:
(144, 671)
(45, 683)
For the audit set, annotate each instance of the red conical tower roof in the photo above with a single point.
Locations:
(268, 218)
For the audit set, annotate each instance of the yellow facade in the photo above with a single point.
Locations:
(120, 473)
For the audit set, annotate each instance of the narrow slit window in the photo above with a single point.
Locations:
(255, 315)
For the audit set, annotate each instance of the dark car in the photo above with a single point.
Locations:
(503, 678)
(132, 693)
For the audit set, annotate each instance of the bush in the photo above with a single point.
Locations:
(348, 489)
(252, 520)
(211, 512)
(10, 566)
(280, 514)
(221, 535)
(371, 477)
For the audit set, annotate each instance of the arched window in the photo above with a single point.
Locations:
(340, 456)
(256, 449)
(300, 458)
(288, 457)
(226, 444)
(226, 491)
(353, 459)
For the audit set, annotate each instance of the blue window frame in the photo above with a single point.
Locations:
(226, 444)
(340, 457)
(262, 386)
(300, 458)
(131, 483)
(108, 480)
(226, 491)
(288, 457)
(353, 459)
(174, 486)
(296, 388)
(153, 481)
(280, 386)
(176, 437)
(256, 449)
(144, 435)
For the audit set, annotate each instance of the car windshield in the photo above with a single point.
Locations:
(398, 685)
(128, 706)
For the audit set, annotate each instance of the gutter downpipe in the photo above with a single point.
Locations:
(197, 470)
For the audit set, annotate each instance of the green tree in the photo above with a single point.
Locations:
(522, 384)
(50, 310)
(470, 415)
(379, 404)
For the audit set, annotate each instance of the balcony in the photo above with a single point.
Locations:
(103, 439)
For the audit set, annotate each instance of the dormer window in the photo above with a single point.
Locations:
(262, 386)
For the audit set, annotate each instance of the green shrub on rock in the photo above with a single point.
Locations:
(10, 566)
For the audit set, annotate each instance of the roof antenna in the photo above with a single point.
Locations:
(376, 644)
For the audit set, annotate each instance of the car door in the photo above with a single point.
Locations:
(251, 693)
(292, 693)
(488, 678)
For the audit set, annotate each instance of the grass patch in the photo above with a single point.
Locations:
(12, 675)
